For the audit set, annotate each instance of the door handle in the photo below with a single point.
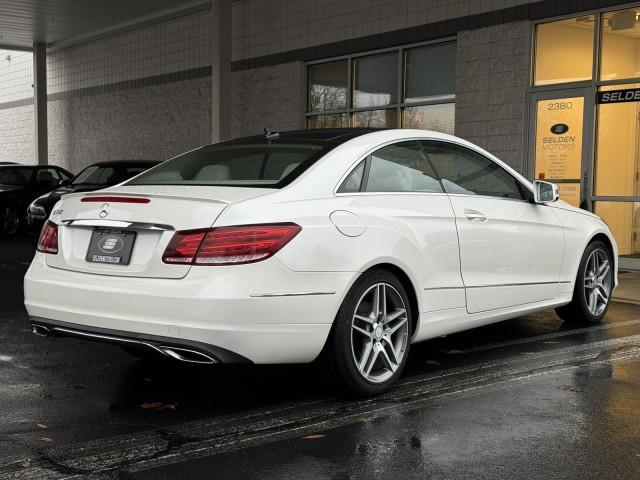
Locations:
(474, 215)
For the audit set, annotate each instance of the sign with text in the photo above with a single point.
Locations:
(559, 126)
(619, 96)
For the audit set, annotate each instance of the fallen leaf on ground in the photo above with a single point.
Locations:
(26, 463)
(42, 425)
(313, 437)
(159, 405)
(46, 439)
(568, 388)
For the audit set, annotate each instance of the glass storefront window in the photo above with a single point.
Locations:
(620, 57)
(410, 88)
(440, 117)
(623, 219)
(338, 120)
(564, 51)
(430, 72)
(328, 85)
(618, 147)
(375, 80)
(376, 118)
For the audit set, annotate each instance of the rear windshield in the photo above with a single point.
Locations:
(106, 175)
(237, 165)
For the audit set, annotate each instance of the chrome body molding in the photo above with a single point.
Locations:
(90, 223)
(289, 294)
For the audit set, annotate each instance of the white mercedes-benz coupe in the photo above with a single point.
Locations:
(354, 243)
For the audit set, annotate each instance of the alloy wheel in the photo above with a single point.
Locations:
(379, 332)
(597, 282)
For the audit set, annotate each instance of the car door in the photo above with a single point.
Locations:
(511, 249)
(396, 191)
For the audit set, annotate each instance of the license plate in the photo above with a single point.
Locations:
(111, 246)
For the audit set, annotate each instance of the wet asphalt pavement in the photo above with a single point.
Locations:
(527, 398)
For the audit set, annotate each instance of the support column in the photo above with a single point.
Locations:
(221, 70)
(40, 102)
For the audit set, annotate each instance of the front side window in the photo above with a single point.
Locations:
(464, 171)
(401, 167)
(236, 165)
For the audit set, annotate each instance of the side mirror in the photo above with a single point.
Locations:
(545, 192)
(64, 182)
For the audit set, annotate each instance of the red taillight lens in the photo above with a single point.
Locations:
(183, 246)
(229, 245)
(48, 241)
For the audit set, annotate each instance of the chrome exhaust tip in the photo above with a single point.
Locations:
(40, 330)
(188, 356)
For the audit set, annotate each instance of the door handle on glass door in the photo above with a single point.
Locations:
(474, 215)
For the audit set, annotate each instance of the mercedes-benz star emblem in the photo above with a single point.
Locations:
(104, 210)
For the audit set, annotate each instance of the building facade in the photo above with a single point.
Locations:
(551, 87)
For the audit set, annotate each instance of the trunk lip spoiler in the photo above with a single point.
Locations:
(91, 223)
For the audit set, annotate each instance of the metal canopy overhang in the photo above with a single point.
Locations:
(63, 23)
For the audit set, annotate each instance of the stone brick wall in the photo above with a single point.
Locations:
(144, 93)
(151, 122)
(16, 135)
(271, 97)
(263, 28)
(493, 75)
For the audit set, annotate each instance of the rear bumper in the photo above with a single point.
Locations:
(193, 352)
(262, 312)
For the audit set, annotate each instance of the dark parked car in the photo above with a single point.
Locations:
(8, 163)
(94, 177)
(19, 185)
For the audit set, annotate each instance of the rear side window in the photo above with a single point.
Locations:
(353, 182)
(464, 171)
(239, 165)
(401, 167)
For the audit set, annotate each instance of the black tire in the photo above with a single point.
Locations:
(342, 351)
(11, 220)
(577, 312)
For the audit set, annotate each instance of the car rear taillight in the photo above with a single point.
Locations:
(229, 245)
(48, 241)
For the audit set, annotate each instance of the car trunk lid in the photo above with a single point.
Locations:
(147, 216)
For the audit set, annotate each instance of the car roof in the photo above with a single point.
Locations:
(320, 135)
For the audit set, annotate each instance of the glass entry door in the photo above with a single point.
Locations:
(561, 142)
(616, 194)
